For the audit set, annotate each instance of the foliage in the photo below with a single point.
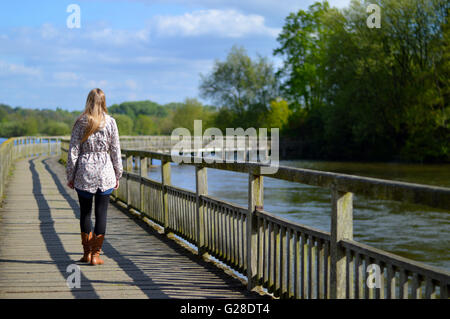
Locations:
(134, 109)
(243, 86)
(378, 94)
(132, 118)
(278, 114)
(146, 125)
(124, 124)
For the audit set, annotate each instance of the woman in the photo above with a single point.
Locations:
(94, 167)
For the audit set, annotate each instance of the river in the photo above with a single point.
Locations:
(411, 231)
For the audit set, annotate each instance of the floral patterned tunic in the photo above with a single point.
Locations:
(96, 163)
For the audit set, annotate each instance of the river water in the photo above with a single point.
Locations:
(411, 231)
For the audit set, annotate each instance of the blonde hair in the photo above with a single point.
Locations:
(95, 111)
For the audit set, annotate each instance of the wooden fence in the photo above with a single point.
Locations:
(289, 259)
(15, 148)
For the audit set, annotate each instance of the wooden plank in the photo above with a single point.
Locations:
(390, 283)
(166, 180)
(341, 228)
(255, 202)
(297, 265)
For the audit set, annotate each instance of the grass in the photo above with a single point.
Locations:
(10, 175)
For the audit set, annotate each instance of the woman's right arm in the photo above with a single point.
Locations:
(74, 151)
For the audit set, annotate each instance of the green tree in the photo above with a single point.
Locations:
(10, 129)
(369, 93)
(191, 110)
(303, 48)
(57, 129)
(124, 124)
(135, 108)
(242, 85)
(145, 125)
(278, 115)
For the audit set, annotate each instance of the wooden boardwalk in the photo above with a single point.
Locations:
(40, 238)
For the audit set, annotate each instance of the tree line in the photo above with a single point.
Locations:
(132, 118)
(346, 91)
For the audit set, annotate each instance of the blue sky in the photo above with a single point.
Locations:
(133, 50)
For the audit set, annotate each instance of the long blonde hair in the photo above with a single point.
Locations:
(95, 111)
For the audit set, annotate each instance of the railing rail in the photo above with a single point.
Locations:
(291, 260)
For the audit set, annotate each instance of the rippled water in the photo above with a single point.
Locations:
(412, 231)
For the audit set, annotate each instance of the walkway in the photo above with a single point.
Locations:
(39, 239)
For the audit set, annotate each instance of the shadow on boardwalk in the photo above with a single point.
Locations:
(39, 236)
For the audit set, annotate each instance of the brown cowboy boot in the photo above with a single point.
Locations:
(85, 241)
(96, 247)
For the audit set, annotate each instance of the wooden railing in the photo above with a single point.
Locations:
(25, 146)
(289, 259)
(164, 144)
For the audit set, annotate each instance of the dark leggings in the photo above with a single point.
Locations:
(101, 207)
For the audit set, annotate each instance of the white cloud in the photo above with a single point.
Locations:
(117, 37)
(66, 76)
(339, 3)
(275, 10)
(18, 69)
(146, 59)
(264, 7)
(223, 23)
(131, 84)
(90, 84)
(48, 31)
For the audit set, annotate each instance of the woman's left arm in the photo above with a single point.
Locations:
(114, 151)
(73, 153)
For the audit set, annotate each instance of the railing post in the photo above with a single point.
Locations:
(128, 169)
(201, 187)
(59, 142)
(255, 202)
(142, 173)
(165, 178)
(341, 228)
(26, 140)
